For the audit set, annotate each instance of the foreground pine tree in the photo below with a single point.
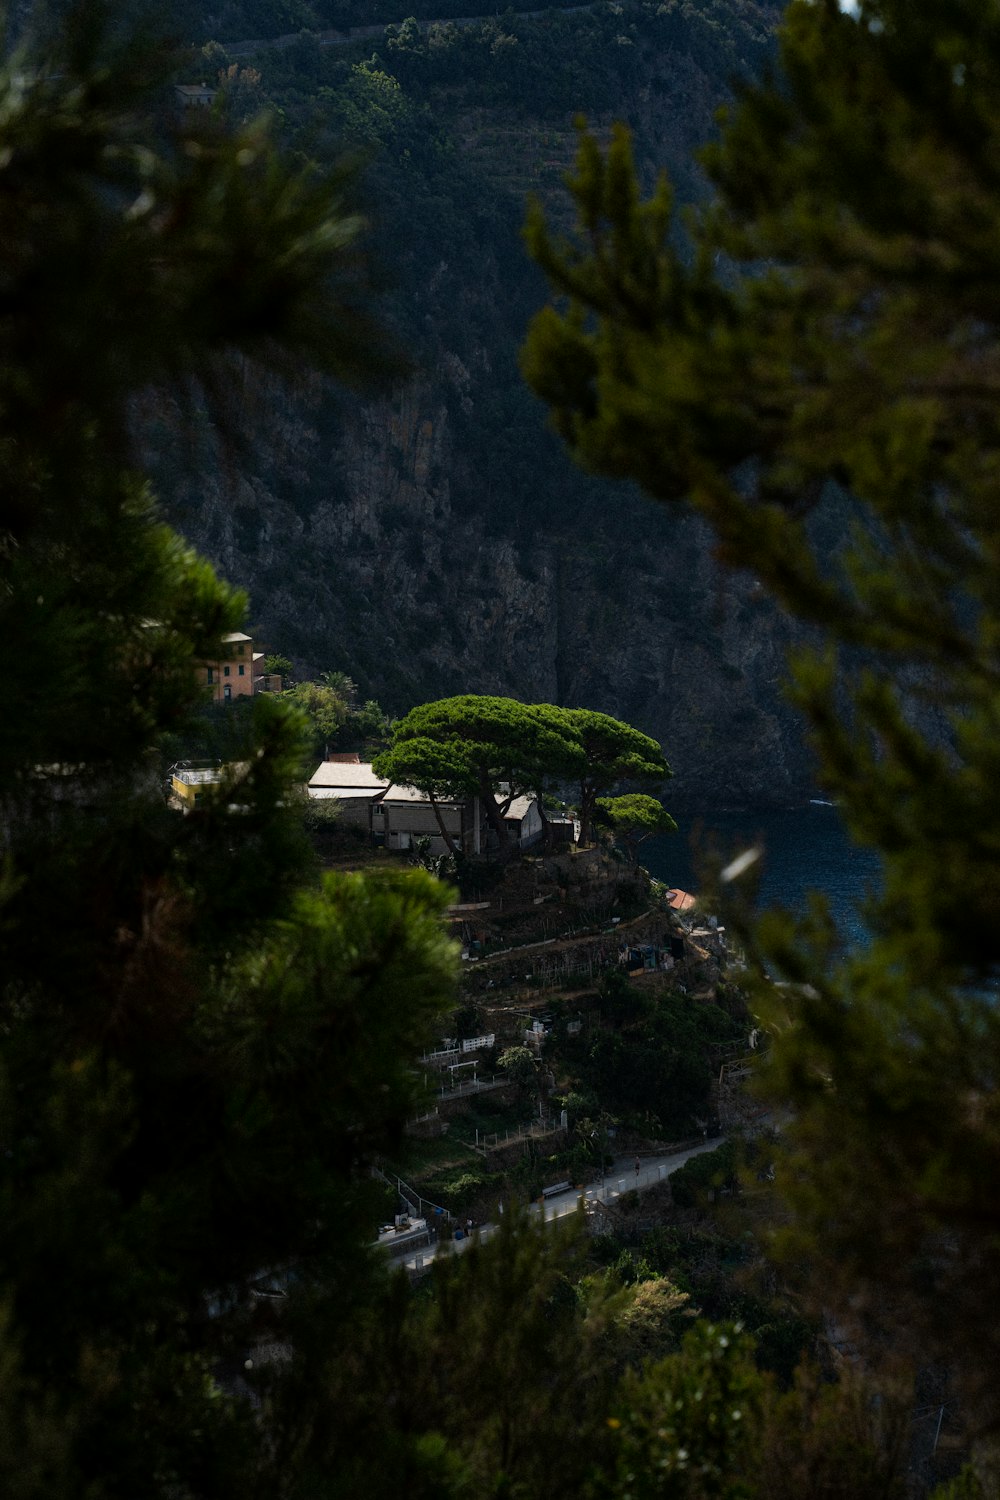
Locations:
(201, 1044)
(832, 411)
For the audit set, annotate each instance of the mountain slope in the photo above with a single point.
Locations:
(436, 539)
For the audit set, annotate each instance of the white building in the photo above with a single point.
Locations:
(396, 815)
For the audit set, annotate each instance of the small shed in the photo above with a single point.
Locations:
(195, 95)
(524, 821)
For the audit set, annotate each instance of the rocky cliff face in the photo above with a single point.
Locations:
(363, 547)
(437, 540)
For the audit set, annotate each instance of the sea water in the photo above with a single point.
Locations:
(805, 848)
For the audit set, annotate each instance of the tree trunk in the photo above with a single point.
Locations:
(546, 828)
(588, 796)
(494, 818)
(449, 842)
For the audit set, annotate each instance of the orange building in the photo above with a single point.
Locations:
(232, 675)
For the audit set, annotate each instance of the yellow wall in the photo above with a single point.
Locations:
(185, 793)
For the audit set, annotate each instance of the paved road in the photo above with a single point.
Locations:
(619, 1178)
(622, 1178)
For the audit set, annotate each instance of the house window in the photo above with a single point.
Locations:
(242, 670)
(225, 671)
(211, 673)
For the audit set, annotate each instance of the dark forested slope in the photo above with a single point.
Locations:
(436, 540)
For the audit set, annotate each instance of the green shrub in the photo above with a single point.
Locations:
(705, 1176)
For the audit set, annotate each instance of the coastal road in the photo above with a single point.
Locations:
(619, 1178)
(622, 1177)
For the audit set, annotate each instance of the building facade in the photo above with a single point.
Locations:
(232, 675)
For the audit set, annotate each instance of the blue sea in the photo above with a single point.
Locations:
(805, 848)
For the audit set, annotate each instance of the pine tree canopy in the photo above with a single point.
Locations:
(610, 752)
(633, 818)
(498, 748)
(815, 370)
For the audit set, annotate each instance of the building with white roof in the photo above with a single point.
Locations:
(397, 815)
